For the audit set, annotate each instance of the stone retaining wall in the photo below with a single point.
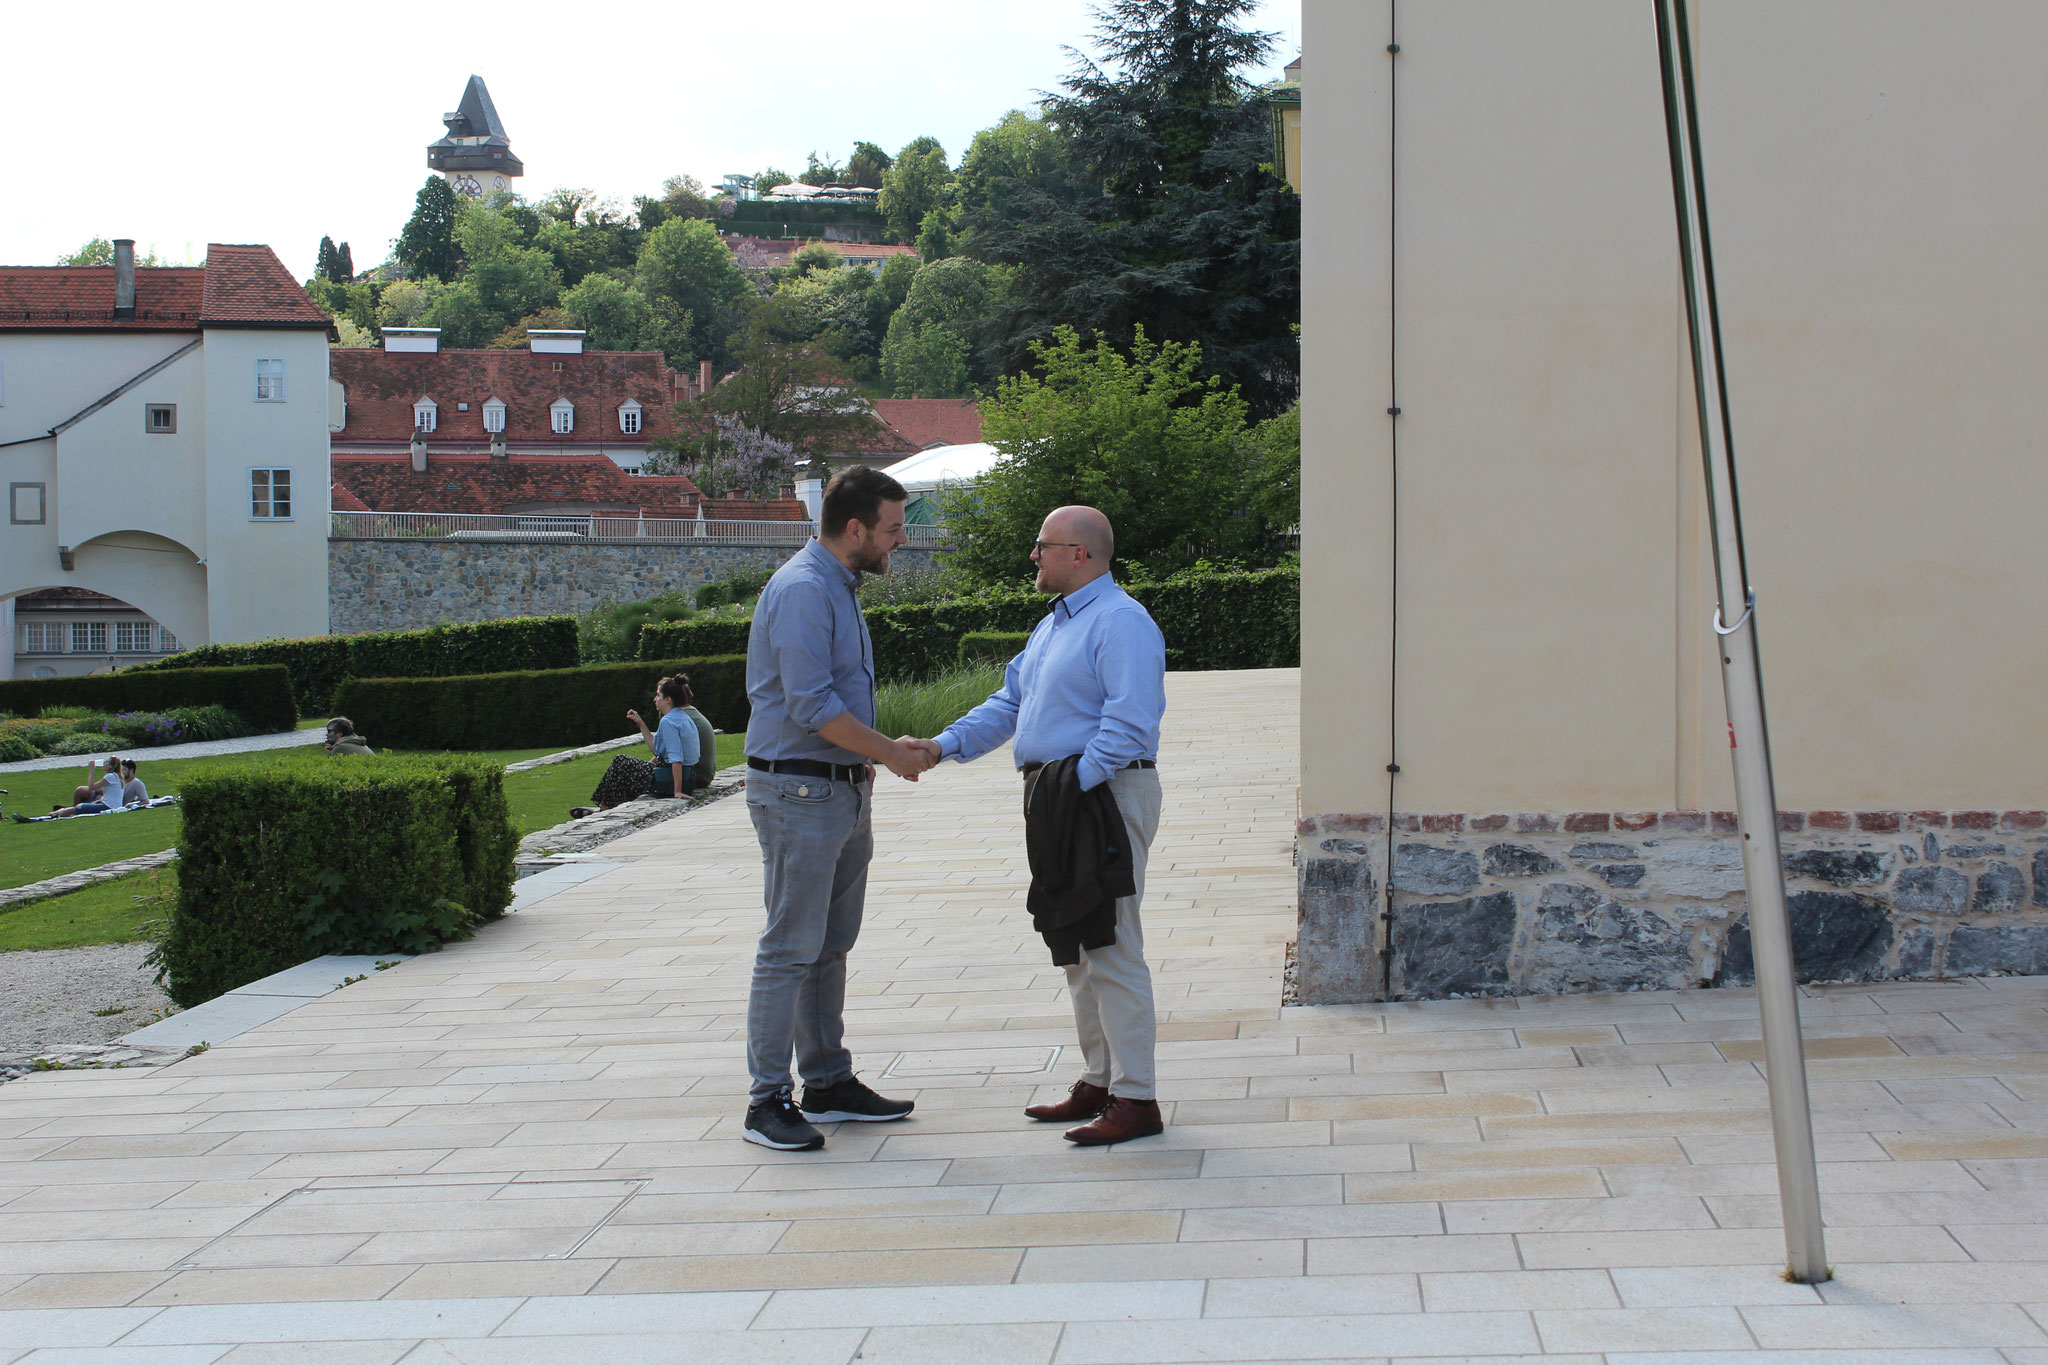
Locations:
(406, 584)
(1543, 904)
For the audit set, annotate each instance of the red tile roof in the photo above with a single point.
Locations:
(479, 484)
(247, 286)
(81, 298)
(341, 500)
(382, 386)
(239, 286)
(68, 595)
(928, 422)
(754, 509)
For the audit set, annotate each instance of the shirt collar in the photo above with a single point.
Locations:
(1078, 600)
(817, 549)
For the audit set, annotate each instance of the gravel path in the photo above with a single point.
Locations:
(47, 999)
(290, 739)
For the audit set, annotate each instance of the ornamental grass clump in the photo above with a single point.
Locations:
(925, 708)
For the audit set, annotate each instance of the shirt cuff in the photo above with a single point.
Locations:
(1093, 773)
(949, 745)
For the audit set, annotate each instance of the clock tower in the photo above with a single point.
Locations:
(475, 156)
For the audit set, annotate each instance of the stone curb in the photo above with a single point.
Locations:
(570, 755)
(86, 1057)
(17, 896)
(555, 847)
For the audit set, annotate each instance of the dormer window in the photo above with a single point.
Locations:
(563, 415)
(629, 417)
(494, 415)
(426, 415)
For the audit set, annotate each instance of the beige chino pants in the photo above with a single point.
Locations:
(1112, 987)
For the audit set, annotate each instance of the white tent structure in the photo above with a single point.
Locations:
(928, 471)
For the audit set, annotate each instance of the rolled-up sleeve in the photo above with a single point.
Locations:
(801, 641)
(1130, 661)
(987, 725)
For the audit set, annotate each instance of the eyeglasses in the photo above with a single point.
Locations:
(1039, 547)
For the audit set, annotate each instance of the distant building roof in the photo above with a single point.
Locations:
(483, 485)
(770, 251)
(928, 469)
(928, 422)
(382, 386)
(239, 286)
(476, 139)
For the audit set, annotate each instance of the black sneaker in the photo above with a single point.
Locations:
(851, 1102)
(777, 1123)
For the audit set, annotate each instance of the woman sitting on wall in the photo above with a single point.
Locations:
(681, 742)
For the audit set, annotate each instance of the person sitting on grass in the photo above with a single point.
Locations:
(343, 739)
(679, 766)
(92, 799)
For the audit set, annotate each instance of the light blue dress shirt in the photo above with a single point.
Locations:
(1091, 681)
(809, 660)
(675, 738)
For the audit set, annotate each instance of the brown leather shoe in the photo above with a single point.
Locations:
(1083, 1101)
(1120, 1122)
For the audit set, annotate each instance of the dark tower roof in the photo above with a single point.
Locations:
(476, 139)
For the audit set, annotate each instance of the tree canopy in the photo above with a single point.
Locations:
(427, 246)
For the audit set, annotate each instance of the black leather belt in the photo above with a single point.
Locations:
(1030, 768)
(810, 767)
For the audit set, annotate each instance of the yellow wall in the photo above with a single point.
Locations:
(1875, 178)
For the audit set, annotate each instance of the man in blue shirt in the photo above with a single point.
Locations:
(811, 747)
(1092, 682)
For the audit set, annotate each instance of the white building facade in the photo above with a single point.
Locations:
(164, 438)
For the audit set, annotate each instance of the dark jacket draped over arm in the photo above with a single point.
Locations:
(1080, 860)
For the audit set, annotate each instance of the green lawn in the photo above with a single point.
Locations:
(111, 912)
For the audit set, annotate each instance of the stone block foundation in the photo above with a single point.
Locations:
(1594, 901)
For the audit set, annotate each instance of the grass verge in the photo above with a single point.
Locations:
(118, 911)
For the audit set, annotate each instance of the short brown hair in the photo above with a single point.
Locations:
(857, 494)
(342, 725)
(676, 688)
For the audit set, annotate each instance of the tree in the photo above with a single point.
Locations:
(867, 165)
(344, 264)
(1166, 213)
(935, 236)
(685, 262)
(828, 308)
(952, 298)
(100, 251)
(819, 171)
(814, 256)
(769, 179)
(793, 391)
(352, 336)
(730, 460)
(1168, 455)
(427, 247)
(514, 337)
(405, 302)
(928, 361)
(614, 314)
(915, 186)
(682, 196)
(323, 262)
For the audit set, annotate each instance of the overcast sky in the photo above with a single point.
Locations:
(180, 125)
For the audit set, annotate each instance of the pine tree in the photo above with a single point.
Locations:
(1165, 215)
(344, 265)
(427, 248)
(323, 264)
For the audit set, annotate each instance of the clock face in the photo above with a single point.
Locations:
(466, 185)
(497, 182)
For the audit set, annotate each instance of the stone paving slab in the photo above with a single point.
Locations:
(525, 1147)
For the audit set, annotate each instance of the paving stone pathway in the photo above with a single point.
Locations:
(525, 1148)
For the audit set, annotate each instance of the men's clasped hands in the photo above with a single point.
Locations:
(913, 756)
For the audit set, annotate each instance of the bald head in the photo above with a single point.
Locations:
(1089, 527)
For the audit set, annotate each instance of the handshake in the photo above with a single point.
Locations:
(910, 756)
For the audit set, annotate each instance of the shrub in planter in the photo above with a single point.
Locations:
(555, 708)
(298, 856)
(992, 646)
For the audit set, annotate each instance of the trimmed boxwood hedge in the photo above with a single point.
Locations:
(561, 707)
(992, 646)
(319, 663)
(1233, 619)
(260, 695)
(299, 856)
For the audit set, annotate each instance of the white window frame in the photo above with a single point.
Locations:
(269, 499)
(42, 637)
(426, 415)
(92, 634)
(166, 643)
(629, 417)
(131, 637)
(170, 426)
(270, 379)
(494, 416)
(562, 417)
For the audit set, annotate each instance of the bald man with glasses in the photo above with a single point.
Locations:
(1091, 682)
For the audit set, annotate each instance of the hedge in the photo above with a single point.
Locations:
(319, 663)
(299, 856)
(560, 707)
(1233, 619)
(260, 695)
(991, 646)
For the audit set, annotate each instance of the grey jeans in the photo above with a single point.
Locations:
(816, 838)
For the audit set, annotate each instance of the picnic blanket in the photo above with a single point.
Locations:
(151, 804)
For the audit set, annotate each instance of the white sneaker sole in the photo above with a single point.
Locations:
(847, 1116)
(763, 1140)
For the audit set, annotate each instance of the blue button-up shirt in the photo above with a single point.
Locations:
(676, 739)
(809, 660)
(1091, 681)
